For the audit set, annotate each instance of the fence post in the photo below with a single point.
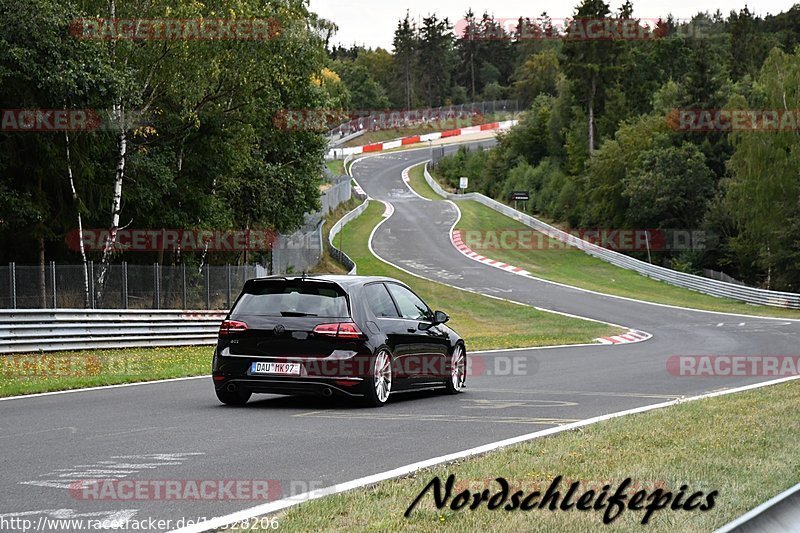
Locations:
(208, 286)
(228, 271)
(124, 284)
(12, 275)
(91, 284)
(157, 287)
(183, 274)
(53, 282)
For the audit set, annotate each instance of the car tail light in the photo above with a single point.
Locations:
(340, 330)
(231, 327)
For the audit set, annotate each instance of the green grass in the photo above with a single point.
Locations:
(37, 372)
(571, 266)
(484, 322)
(743, 445)
(416, 178)
(336, 166)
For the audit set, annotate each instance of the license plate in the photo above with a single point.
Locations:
(260, 367)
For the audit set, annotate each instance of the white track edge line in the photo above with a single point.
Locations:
(669, 306)
(407, 178)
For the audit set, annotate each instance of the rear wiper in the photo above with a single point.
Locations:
(296, 313)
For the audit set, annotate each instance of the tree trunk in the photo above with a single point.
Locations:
(472, 71)
(116, 203)
(76, 199)
(591, 114)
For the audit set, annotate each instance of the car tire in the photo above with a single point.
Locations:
(379, 386)
(458, 371)
(236, 398)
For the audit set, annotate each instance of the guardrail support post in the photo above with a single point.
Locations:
(53, 282)
(125, 284)
(12, 276)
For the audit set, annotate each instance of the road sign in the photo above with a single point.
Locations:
(463, 183)
(520, 196)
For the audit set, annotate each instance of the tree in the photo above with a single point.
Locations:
(590, 62)
(364, 92)
(669, 187)
(763, 194)
(406, 46)
(537, 75)
(435, 56)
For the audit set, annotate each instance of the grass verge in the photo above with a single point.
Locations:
(336, 166)
(573, 267)
(484, 322)
(32, 373)
(416, 179)
(742, 445)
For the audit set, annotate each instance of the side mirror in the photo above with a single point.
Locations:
(440, 317)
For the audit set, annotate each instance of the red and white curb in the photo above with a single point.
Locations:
(631, 337)
(414, 139)
(455, 238)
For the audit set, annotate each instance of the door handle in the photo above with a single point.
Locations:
(412, 330)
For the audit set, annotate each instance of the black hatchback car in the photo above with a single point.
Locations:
(354, 336)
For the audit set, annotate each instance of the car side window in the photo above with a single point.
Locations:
(379, 301)
(410, 305)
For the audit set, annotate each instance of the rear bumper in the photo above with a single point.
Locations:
(349, 387)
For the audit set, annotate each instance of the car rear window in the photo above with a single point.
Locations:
(305, 298)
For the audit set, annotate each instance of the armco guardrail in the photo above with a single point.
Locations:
(680, 279)
(780, 514)
(336, 253)
(33, 330)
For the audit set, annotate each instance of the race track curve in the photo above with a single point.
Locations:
(178, 431)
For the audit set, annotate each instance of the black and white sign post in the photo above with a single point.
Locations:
(520, 196)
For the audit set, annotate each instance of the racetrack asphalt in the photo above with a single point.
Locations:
(178, 431)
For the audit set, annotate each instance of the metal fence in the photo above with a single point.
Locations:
(302, 250)
(680, 279)
(127, 286)
(340, 191)
(389, 119)
(135, 286)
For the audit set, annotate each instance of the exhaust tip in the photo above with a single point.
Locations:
(327, 392)
(232, 387)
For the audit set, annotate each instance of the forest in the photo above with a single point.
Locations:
(187, 135)
(610, 137)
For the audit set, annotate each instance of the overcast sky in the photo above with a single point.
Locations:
(372, 22)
